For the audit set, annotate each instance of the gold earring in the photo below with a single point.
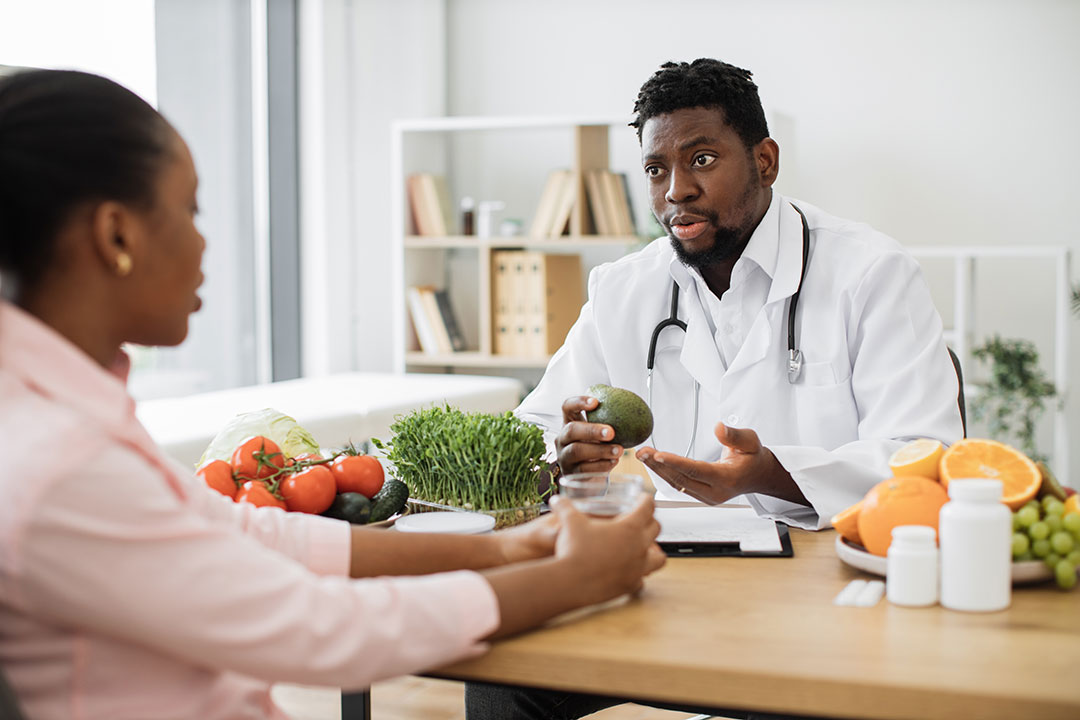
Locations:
(123, 264)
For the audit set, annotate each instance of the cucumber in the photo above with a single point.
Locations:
(389, 501)
(352, 507)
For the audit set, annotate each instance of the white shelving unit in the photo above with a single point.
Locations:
(961, 337)
(590, 150)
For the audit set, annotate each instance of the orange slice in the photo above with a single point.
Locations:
(846, 523)
(1072, 504)
(977, 458)
(898, 501)
(919, 457)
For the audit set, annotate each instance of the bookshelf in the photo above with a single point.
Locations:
(462, 264)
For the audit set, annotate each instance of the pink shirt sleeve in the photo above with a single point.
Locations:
(113, 550)
(320, 544)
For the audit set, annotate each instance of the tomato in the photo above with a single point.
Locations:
(309, 457)
(218, 475)
(358, 473)
(257, 494)
(257, 458)
(311, 490)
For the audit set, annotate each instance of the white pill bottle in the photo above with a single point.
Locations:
(975, 536)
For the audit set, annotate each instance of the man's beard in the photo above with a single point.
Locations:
(728, 242)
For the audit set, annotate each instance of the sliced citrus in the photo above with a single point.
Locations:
(1072, 504)
(919, 457)
(846, 523)
(898, 501)
(978, 458)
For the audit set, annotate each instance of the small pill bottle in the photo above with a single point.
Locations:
(975, 533)
(912, 566)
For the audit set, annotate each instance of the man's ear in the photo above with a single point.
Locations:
(767, 157)
(113, 234)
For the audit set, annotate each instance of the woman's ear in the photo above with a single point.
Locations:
(114, 238)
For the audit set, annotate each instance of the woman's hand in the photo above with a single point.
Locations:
(531, 541)
(583, 446)
(612, 555)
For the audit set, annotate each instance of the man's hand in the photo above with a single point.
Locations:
(748, 468)
(583, 446)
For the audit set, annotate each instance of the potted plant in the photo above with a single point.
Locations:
(452, 460)
(1013, 399)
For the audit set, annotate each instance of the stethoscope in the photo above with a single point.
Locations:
(795, 357)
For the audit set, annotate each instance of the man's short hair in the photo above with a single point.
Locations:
(704, 83)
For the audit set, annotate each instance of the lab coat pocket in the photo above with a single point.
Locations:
(826, 412)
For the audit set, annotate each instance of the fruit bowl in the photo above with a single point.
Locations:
(1023, 573)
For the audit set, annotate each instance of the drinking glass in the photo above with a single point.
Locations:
(602, 494)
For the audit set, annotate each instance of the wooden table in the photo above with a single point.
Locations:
(763, 634)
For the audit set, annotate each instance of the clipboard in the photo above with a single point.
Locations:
(728, 549)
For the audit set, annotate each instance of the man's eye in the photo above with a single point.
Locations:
(704, 160)
(653, 171)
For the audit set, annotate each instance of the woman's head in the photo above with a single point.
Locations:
(97, 191)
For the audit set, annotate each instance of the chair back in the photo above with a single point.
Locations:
(960, 392)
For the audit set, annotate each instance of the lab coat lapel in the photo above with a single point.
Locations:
(763, 338)
(699, 355)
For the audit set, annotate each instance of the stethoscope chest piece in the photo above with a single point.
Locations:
(794, 365)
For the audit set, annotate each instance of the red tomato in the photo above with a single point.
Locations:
(311, 490)
(257, 458)
(259, 495)
(309, 457)
(218, 475)
(359, 474)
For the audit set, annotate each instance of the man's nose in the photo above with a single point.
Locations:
(681, 187)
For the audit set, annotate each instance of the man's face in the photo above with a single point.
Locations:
(705, 186)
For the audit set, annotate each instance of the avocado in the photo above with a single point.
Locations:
(624, 411)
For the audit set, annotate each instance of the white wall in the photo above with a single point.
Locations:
(937, 122)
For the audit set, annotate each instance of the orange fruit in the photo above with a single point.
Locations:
(898, 501)
(919, 457)
(1072, 504)
(846, 523)
(977, 458)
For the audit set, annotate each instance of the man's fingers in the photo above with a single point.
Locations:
(573, 407)
(598, 466)
(744, 440)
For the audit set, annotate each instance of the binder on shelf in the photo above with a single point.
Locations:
(536, 297)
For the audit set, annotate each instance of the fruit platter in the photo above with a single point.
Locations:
(1045, 515)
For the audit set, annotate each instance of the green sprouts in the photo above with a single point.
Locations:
(476, 461)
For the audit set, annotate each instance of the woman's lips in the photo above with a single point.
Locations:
(688, 232)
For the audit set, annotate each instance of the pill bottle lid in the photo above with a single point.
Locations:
(914, 536)
(976, 489)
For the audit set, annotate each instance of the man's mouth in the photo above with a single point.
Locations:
(687, 228)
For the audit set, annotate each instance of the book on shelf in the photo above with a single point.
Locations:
(556, 202)
(434, 318)
(425, 333)
(594, 192)
(626, 207)
(536, 297)
(449, 321)
(609, 202)
(429, 204)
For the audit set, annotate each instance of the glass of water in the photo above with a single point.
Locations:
(602, 494)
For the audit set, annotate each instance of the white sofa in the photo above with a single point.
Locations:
(335, 408)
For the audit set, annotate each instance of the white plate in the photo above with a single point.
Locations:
(1022, 572)
(457, 523)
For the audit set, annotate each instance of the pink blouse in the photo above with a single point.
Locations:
(130, 590)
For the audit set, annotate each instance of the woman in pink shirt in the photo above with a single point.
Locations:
(127, 588)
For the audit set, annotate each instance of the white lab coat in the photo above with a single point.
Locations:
(876, 371)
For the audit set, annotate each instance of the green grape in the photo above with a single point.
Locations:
(1065, 573)
(1054, 506)
(1054, 523)
(1033, 503)
(1071, 522)
(1020, 544)
(1027, 515)
(1040, 548)
(1062, 543)
(1026, 557)
(1074, 557)
(1045, 501)
(1016, 521)
(1039, 530)
(1052, 560)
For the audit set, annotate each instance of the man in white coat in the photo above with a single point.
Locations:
(730, 421)
(874, 373)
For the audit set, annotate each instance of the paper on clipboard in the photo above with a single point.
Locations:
(718, 524)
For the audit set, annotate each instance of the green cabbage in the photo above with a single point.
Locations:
(282, 429)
